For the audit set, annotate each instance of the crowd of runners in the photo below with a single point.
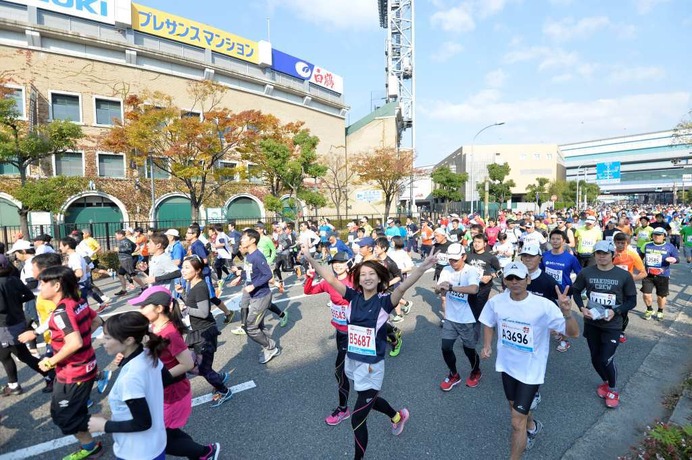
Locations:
(516, 284)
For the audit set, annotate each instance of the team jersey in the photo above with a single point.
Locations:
(560, 266)
(337, 304)
(686, 234)
(523, 334)
(367, 336)
(68, 317)
(655, 256)
(457, 307)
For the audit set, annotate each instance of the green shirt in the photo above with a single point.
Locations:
(686, 235)
(266, 247)
(643, 236)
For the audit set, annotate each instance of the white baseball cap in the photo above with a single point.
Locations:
(172, 232)
(20, 245)
(455, 251)
(604, 246)
(531, 249)
(516, 269)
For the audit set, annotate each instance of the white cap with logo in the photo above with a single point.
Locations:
(516, 269)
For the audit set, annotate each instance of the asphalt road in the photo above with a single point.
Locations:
(282, 417)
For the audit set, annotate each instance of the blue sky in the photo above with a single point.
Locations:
(555, 71)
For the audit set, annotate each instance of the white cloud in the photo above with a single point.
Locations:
(447, 51)
(496, 78)
(455, 19)
(568, 29)
(635, 74)
(490, 7)
(625, 31)
(645, 6)
(340, 14)
(549, 58)
(560, 121)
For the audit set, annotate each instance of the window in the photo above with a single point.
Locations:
(111, 165)
(65, 107)
(17, 94)
(69, 164)
(107, 110)
(144, 170)
(7, 169)
(254, 175)
(548, 156)
(522, 156)
(190, 114)
(536, 156)
(230, 175)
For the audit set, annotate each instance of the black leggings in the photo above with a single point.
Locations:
(625, 320)
(360, 415)
(221, 267)
(602, 345)
(451, 359)
(339, 373)
(274, 309)
(22, 352)
(180, 444)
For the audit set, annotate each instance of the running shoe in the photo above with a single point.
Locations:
(536, 401)
(269, 354)
(602, 390)
(612, 399)
(238, 331)
(558, 337)
(623, 338)
(450, 382)
(105, 299)
(563, 346)
(406, 309)
(102, 383)
(213, 454)
(49, 386)
(531, 437)
(90, 402)
(659, 315)
(281, 288)
(397, 348)
(82, 454)
(648, 314)
(283, 319)
(16, 391)
(120, 292)
(130, 286)
(229, 317)
(338, 416)
(397, 428)
(474, 378)
(101, 307)
(397, 318)
(219, 398)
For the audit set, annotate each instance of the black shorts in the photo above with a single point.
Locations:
(127, 267)
(519, 393)
(68, 406)
(657, 281)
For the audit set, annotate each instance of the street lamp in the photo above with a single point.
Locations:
(473, 142)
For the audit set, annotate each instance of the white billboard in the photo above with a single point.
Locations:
(106, 11)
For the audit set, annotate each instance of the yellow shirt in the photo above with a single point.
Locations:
(44, 308)
(92, 244)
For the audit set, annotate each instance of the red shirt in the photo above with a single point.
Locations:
(176, 345)
(338, 321)
(491, 233)
(68, 317)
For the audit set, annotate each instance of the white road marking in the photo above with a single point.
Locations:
(65, 441)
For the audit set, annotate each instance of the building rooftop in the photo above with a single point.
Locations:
(386, 111)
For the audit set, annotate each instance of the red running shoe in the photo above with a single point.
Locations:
(449, 382)
(602, 390)
(473, 379)
(612, 399)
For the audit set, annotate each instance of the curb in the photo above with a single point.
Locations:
(666, 365)
(682, 414)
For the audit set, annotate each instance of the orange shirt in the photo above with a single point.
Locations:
(141, 243)
(426, 236)
(628, 260)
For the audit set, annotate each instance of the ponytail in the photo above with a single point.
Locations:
(136, 325)
(156, 345)
(176, 318)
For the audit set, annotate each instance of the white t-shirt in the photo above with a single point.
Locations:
(309, 238)
(77, 262)
(139, 379)
(523, 334)
(225, 251)
(500, 248)
(402, 259)
(457, 307)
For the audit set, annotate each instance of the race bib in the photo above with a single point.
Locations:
(463, 297)
(624, 267)
(643, 235)
(517, 335)
(338, 313)
(323, 233)
(90, 366)
(689, 238)
(602, 298)
(556, 274)
(332, 251)
(653, 259)
(361, 340)
(233, 241)
(587, 245)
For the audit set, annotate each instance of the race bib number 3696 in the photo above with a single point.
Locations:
(361, 340)
(517, 335)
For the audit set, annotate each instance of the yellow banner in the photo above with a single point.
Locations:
(172, 27)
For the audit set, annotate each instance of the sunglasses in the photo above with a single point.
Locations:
(193, 257)
(512, 278)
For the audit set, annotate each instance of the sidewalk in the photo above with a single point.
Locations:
(665, 367)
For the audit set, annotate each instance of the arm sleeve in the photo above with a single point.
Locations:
(628, 303)
(141, 418)
(577, 287)
(310, 288)
(24, 292)
(198, 304)
(168, 276)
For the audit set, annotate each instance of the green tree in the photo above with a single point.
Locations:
(448, 185)
(537, 192)
(22, 145)
(682, 133)
(49, 194)
(499, 189)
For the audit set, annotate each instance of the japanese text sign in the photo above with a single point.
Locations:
(165, 25)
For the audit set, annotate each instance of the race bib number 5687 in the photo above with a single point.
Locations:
(361, 340)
